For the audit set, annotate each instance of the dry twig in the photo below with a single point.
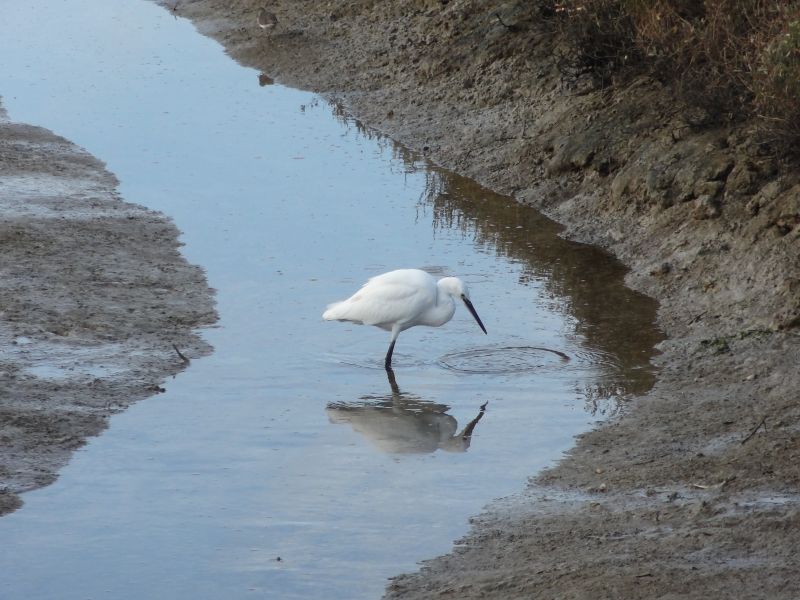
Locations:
(763, 422)
(181, 356)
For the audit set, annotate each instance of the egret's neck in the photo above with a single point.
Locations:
(443, 311)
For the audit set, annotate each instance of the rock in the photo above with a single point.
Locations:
(742, 179)
(706, 207)
(662, 269)
(623, 182)
(708, 188)
(658, 182)
(718, 168)
(783, 212)
(616, 235)
(789, 317)
(754, 205)
(771, 190)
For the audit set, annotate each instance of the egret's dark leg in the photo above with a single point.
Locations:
(388, 362)
(393, 383)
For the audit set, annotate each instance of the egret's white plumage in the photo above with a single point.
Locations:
(401, 299)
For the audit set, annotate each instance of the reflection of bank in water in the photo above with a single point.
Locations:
(401, 423)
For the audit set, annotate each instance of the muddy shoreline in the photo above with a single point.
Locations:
(93, 295)
(693, 492)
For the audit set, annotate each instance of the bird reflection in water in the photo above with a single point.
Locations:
(401, 423)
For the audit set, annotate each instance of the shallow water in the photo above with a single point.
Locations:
(286, 465)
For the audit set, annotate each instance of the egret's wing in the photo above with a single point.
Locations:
(386, 302)
(383, 301)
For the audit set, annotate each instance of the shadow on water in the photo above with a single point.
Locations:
(616, 323)
(403, 423)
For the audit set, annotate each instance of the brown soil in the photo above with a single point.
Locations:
(93, 294)
(677, 497)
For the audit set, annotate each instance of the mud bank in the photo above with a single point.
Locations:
(94, 293)
(693, 492)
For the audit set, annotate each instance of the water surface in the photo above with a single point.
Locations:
(286, 465)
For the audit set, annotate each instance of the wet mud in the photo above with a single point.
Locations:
(95, 297)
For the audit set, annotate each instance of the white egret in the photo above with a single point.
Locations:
(398, 300)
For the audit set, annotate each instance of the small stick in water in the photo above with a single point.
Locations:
(181, 356)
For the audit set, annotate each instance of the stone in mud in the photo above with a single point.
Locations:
(745, 178)
(783, 212)
(706, 207)
(789, 316)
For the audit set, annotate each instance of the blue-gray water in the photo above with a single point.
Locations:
(286, 442)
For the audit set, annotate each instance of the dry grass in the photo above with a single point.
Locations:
(738, 59)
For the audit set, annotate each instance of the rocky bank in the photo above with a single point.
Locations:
(693, 491)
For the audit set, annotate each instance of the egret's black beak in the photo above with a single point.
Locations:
(472, 310)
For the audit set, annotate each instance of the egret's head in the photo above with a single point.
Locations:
(454, 287)
(458, 289)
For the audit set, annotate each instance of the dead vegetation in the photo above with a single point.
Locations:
(736, 59)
